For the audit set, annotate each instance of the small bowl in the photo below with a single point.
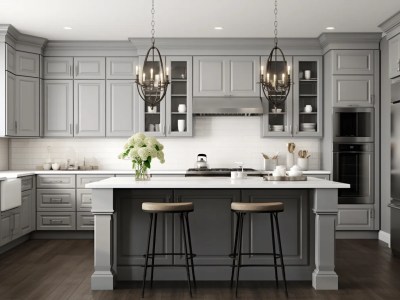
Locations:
(278, 110)
(294, 173)
(55, 166)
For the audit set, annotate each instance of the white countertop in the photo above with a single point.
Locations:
(4, 175)
(212, 183)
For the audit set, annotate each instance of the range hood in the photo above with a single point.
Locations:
(227, 106)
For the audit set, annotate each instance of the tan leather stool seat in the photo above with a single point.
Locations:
(257, 207)
(167, 207)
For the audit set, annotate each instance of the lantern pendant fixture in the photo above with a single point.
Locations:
(276, 85)
(153, 84)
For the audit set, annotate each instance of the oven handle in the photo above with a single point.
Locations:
(355, 152)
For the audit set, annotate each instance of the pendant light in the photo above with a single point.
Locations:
(153, 84)
(276, 85)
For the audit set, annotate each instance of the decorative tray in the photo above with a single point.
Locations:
(285, 178)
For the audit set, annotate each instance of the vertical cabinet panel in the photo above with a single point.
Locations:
(11, 104)
(90, 67)
(58, 67)
(352, 62)
(27, 64)
(121, 97)
(6, 228)
(244, 72)
(89, 107)
(58, 108)
(11, 59)
(27, 206)
(27, 106)
(394, 56)
(352, 90)
(210, 76)
(121, 67)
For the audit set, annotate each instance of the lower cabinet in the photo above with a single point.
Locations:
(356, 217)
(84, 221)
(10, 225)
(56, 220)
(28, 212)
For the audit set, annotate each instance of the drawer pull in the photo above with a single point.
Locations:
(56, 221)
(91, 221)
(58, 200)
(52, 181)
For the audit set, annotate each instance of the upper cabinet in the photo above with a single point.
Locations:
(353, 90)
(11, 59)
(90, 67)
(394, 56)
(352, 62)
(219, 76)
(58, 67)
(27, 64)
(121, 67)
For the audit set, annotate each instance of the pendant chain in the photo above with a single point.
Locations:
(276, 23)
(152, 23)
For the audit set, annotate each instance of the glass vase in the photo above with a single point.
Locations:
(141, 173)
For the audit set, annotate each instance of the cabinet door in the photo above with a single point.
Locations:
(121, 67)
(179, 95)
(27, 64)
(89, 108)
(27, 205)
(16, 223)
(134, 223)
(6, 228)
(244, 74)
(11, 59)
(58, 67)
(355, 217)
(274, 123)
(27, 106)
(90, 67)
(120, 108)
(58, 108)
(11, 104)
(353, 62)
(210, 76)
(394, 56)
(352, 90)
(212, 233)
(307, 93)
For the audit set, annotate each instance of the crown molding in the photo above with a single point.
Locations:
(391, 26)
(21, 41)
(345, 40)
(91, 48)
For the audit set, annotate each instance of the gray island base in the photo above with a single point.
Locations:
(307, 228)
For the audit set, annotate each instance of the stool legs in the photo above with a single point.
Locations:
(186, 253)
(147, 255)
(235, 248)
(190, 248)
(274, 249)
(239, 260)
(154, 249)
(280, 252)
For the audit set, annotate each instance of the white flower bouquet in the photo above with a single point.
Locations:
(141, 149)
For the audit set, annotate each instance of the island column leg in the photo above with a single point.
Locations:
(325, 208)
(103, 210)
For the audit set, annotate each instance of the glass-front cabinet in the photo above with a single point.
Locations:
(301, 114)
(173, 115)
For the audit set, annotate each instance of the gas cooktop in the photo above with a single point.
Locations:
(215, 171)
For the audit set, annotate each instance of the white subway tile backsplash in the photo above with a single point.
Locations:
(224, 140)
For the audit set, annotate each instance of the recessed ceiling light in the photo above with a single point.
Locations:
(67, 28)
(218, 28)
(330, 28)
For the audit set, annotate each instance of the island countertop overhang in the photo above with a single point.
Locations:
(213, 183)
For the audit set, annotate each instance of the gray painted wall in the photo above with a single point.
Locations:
(385, 137)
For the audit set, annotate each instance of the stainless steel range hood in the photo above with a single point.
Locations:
(227, 106)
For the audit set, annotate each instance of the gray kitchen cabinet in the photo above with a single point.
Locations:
(89, 108)
(55, 200)
(11, 59)
(10, 225)
(27, 64)
(58, 67)
(134, 222)
(350, 62)
(216, 76)
(394, 56)
(121, 67)
(28, 212)
(83, 200)
(82, 180)
(27, 104)
(11, 104)
(211, 246)
(58, 108)
(353, 90)
(90, 67)
(356, 217)
(307, 92)
(84, 221)
(55, 181)
(121, 108)
(257, 227)
(56, 220)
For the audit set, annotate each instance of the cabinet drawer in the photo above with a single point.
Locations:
(84, 221)
(56, 200)
(26, 183)
(82, 180)
(56, 221)
(83, 199)
(353, 62)
(56, 181)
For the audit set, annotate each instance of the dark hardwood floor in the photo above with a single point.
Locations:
(61, 269)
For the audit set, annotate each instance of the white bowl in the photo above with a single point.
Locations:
(294, 173)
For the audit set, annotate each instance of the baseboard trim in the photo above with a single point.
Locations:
(14, 243)
(384, 237)
(62, 235)
(362, 235)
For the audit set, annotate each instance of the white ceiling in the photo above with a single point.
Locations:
(120, 19)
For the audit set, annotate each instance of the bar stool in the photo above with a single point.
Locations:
(182, 208)
(241, 209)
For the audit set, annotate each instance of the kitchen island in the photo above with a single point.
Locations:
(307, 228)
